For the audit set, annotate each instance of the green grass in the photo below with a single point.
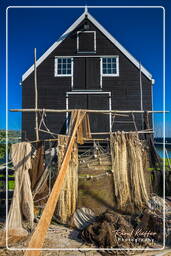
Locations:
(167, 161)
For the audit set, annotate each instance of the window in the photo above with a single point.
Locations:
(63, 67)
(110, 66)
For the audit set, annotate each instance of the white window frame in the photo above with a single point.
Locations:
(78, 32)
(56, 67)
(117, 66)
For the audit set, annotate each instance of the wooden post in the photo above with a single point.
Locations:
(36, 96)
(141, 98)
(39, 234)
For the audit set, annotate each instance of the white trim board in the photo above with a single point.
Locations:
(103, 30)
(78, 41)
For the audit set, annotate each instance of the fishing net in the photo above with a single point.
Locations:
(113, 230)
(68, 196)
(39, 175)
(128, 171)
(22, 202)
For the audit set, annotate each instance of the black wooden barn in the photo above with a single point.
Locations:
(87, 68)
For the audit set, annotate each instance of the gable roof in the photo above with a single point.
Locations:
(103, 30)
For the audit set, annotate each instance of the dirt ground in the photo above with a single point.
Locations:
(59, 236)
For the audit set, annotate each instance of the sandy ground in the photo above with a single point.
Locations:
(61, 237)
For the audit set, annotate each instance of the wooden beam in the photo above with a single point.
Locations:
(86, 110)
(85, 139)
(143, 131)
(39, 234)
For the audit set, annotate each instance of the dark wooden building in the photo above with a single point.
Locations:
(86, 68)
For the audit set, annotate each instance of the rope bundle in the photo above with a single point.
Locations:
(128, 176)
(68, 196)
(22, 202)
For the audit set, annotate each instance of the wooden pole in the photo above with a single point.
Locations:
(141, 98)
(87, 111)
(36, 96)
(39, 234)
(141, 91)
(105, 133)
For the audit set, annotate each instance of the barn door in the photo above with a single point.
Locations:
(77, 101)
(98, 122)
(79, 79)
(92, 73)
(86, 73)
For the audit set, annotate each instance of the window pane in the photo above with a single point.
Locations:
(113, 71)
(109, 66)
(104, 60)
(104, 66)
(64, 66)
(68, 66)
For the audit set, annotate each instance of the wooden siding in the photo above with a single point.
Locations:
(125, 88)
(86, 42)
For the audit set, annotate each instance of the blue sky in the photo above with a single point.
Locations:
(139, 30)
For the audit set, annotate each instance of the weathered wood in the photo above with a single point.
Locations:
(38, 236)
(85, 139)
(87, 110)
(141, 97)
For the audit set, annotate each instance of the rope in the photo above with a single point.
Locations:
(42, 121)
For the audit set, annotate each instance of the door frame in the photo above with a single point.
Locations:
(88, 93)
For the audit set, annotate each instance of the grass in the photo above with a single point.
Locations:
(167, 165)
(167, 161)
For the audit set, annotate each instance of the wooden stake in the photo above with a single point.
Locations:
(39, 234)
(141, 98)
(36, 96)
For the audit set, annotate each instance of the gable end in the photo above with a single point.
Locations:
(103, 30)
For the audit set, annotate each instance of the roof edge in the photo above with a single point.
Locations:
(51, 48)
(120, 47)
(103, 30)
